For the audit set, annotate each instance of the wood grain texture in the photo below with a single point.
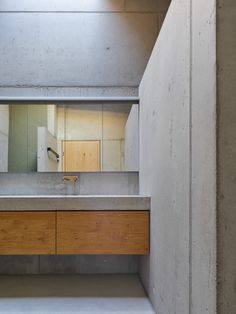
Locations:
(27, 233)
(81, 156)
(103, 232)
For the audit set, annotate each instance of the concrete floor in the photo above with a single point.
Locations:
(97, 294)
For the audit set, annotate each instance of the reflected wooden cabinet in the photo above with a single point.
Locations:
(74, 232)
(81, 156)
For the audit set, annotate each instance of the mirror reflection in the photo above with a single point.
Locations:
(68, 138)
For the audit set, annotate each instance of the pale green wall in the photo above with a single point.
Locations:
(24, 120)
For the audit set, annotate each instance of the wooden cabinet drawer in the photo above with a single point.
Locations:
(103, 232)
(27, 233)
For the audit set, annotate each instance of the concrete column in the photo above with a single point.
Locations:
(226, 57)
(178, 160)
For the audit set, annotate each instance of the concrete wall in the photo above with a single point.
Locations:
(93, 47)
(68, 264)
(177, 161)
(226, 48)
(109, 183)
(203, 159)
(131, 158)
(4, 133)
(164, 162)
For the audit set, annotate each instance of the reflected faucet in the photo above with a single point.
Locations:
(72, 179)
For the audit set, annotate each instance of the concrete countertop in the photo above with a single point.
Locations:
(74, 202)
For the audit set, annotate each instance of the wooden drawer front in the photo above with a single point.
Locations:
(103, 232)
(27, 233)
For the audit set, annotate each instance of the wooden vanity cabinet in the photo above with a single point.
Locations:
(74, 232)
(25, 233)
(103, 232)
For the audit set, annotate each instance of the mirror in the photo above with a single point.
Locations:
(68, 138)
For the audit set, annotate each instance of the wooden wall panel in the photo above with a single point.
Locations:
(81, 156)
(27, 233)
(103, 232)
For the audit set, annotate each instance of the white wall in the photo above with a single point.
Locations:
(52, 119)
(132, 140)
(177, 161)
(46, 161)
(4, 131)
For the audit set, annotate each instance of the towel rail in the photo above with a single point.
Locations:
(49, 149)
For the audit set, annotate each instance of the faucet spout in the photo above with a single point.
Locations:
(70, 178)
